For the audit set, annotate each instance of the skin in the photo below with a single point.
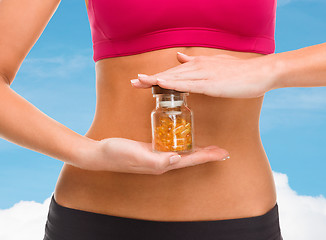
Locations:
(218, 75)
(112, 169)
(208, 191)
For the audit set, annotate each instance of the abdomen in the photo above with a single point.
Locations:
(242, 186)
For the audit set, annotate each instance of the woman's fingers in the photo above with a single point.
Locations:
(149, 162)
(199, 156)
(202, 156)
(184, 57)
(148, 81)
(180, 72)
(140, 84)
(195, 86)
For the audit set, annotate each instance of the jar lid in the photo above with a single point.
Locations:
(156, 89)
(171, 104)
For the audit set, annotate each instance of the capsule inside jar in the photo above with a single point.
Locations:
(172, 125)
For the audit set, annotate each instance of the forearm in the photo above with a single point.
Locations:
(305, 67)
(23, 124)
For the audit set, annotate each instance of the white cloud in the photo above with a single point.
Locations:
(25, 220)
(301, 217)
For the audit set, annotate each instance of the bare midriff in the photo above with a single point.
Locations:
(241, 186)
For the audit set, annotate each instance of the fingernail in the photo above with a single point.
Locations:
(175, 159)
(161, 80)
(142, 75)
(182, 53)
(225, 158)
(134, 80)
(210, 147)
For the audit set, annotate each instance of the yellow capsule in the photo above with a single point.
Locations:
(180, 141)
(178, 129)
(185, 132)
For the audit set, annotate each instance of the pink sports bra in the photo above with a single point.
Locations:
(126, 27)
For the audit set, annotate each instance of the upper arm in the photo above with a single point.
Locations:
(21, 24)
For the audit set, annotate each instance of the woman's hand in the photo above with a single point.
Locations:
(216, 76)
(129, 156)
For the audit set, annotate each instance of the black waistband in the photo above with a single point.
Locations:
(66, 223)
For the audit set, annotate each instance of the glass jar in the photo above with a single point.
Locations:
(172, 121)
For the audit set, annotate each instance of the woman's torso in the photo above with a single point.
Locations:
(241, 186)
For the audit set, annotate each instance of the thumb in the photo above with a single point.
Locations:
(183, 57)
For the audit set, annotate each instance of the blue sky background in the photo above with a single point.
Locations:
(58, 77)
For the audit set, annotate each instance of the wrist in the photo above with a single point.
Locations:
(84, 151)
(275, 70)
